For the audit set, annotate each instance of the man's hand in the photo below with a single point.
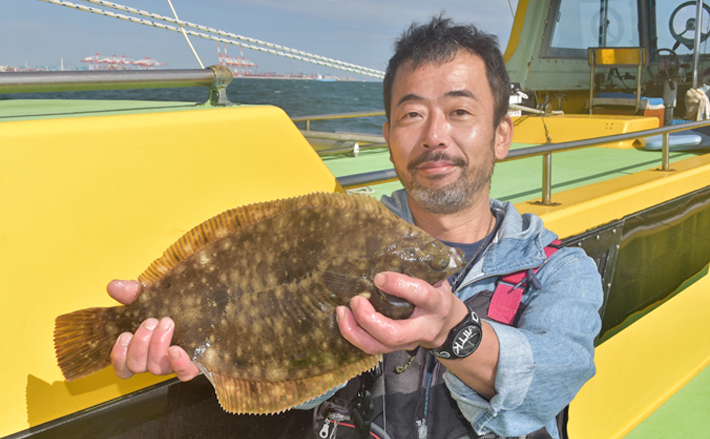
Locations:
(148, 350)
(436, 311)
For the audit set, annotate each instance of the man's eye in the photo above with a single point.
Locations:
(460, 112)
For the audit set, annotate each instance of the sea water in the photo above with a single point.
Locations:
(296, 97)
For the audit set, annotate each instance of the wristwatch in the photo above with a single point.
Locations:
(463, 340)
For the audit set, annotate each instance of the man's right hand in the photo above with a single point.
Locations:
(148, 350)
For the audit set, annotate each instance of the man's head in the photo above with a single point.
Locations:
(439, 41)
(446, 125)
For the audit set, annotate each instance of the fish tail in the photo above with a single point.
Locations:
(82, 342)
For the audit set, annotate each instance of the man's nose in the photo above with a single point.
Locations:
(436, 132)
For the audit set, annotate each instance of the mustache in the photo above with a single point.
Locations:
(435, 156)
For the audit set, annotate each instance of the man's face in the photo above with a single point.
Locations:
(440, 134)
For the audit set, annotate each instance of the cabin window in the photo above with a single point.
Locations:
(575, 25)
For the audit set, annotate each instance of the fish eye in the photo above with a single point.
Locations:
(432, 246)
(439, 263)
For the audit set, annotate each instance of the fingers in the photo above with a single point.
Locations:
(181, 364)
(158, 360)
(355, 334)
(119, 354)
(436, 311)
(149, 350)
(137, 358)
(124, 291)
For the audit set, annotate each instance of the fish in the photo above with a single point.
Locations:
(253, 293)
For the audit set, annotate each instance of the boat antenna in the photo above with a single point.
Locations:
(185, 35)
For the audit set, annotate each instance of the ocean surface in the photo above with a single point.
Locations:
(296, 97)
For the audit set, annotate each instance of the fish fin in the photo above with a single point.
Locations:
(82, 342)
(345, 285)
(235, 219)
(262, 397)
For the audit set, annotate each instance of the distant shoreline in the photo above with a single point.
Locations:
(298, 78)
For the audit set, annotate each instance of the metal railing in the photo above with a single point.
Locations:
(216, 78)
(308, 119)
(344, 143)
(546, 151)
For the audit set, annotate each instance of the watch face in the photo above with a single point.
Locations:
(466, 341)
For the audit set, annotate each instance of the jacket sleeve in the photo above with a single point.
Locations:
(545, 360)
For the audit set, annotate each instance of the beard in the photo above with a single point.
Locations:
(453, 197)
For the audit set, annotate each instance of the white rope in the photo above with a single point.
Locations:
(199, 61)
(275, 48)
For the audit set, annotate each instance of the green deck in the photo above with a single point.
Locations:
(29, 109)
(684, 415)
(521, 180)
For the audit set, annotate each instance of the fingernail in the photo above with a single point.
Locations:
(339, 313)
(150, 324)
(355, 303)
(380, 279)
(125, 339)
(174, 353)
(165, 325)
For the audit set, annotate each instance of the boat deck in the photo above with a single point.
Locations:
(683, 415)
(513, 181)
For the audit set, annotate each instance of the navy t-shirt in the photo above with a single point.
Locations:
(471, 249)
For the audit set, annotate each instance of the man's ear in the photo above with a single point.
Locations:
(386, 135)
(504, 137)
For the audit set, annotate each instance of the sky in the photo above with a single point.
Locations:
(361, 32)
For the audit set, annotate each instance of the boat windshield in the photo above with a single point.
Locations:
(580, 24)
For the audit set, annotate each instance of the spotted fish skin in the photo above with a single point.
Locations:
(255, 304)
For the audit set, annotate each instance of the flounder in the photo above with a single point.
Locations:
(253, 293)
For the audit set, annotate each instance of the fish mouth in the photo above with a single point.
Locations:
(457, 258)
(391, 306)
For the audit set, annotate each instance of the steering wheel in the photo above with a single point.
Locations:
(666, 67)
(689, 26)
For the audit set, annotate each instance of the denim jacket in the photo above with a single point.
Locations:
(545, 360)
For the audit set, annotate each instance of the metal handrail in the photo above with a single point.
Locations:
(216, 78)
(354, 137)
(331, 116)
(546, 150)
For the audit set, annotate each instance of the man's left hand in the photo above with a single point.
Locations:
(436, 311)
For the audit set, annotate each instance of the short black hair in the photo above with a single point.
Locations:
(439, 41)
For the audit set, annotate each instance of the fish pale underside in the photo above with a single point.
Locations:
(253, 293)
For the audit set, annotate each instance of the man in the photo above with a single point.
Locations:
(446, 95)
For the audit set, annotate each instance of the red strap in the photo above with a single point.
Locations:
(509, 291)
(505, 303)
